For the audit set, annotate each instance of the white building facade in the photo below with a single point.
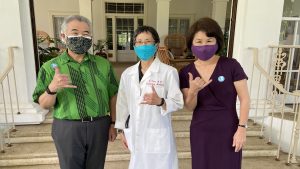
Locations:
(258, 24)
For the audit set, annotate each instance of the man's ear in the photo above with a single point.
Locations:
(63, 37)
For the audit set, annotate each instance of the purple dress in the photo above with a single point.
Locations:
(215, 118)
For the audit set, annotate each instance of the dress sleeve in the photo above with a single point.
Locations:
(184, 78)
(238, 72)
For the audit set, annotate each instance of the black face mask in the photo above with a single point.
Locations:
(78, 44)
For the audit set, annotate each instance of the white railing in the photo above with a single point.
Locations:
(7, 124)
(273, 94)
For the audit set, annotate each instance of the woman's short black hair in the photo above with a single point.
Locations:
(146, 29)
(210, 27)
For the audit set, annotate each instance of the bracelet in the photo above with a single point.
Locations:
(49, 91)
(162, 102)
(112, 122)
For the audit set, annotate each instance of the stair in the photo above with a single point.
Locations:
(33, 146)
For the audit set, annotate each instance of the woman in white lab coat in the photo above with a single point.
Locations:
(148, 94)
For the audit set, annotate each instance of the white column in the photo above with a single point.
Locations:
(162, 19)
(219, 12)
(85, 8)
(17, 32)
(99, 20)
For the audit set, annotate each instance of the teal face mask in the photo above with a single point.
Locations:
(145, 52)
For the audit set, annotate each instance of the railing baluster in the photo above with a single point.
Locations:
(264, 112)
(277, 89)
(296, 138)
(11, 107)
(281, 124)
(257, 100)
(16, 91)
(4, 104)
(291, 147)
(8, 125)
(251, 80)
(272, 117)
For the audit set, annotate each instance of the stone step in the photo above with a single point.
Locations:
(247, 163)
(183, 164)
(32, 137)
(180, 123)
(115, 159)
(182, 143)
(33, 146)
(45, 153)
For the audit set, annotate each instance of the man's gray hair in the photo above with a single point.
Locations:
(72, 18)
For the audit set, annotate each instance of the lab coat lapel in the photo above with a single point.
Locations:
(154, 67)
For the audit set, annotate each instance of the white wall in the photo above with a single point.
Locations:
(256, 27)
(11, 36)
(152, 13)
(98, 15)
(17, 32)
(45, 8)
(197, 8)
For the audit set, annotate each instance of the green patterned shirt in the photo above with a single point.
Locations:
(96, 84)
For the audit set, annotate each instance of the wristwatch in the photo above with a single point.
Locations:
(162, 102)
(49, 91)
(243, 125)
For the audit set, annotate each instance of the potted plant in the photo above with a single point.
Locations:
(100, 48)
(47, 48)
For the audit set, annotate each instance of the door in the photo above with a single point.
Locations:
(124, 35)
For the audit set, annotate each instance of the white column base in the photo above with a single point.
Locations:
(30, 113)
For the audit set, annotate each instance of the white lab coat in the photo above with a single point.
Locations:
(150, 136)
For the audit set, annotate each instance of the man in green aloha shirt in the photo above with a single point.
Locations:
(82, 88)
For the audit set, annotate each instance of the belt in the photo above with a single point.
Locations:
(86, 119)
(89, 119)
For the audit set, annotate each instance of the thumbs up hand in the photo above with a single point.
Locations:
(197, 84)
(151, 98)
(60, 81)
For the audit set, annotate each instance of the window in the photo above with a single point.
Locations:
(57, 22)
(109, 33)
(290, 35)
(129, 8)
(179, 25)
(124, 26)
(290, 29)
(124, 32)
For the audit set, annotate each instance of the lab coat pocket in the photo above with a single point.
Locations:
(127, 133)
(158, 141)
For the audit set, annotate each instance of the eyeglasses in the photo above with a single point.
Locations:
(85, 36)
(139, 43)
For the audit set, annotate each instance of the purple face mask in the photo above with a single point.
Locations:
(204, 52)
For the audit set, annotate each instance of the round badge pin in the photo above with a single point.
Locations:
(53, 65)
(221, 78)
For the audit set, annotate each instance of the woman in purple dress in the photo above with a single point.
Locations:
(210, 86)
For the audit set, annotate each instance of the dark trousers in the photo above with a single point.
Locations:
(81, 145)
